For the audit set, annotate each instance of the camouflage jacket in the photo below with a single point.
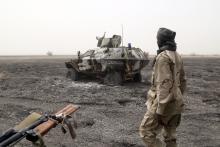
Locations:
(168, 84)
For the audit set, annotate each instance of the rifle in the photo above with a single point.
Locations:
(36, 125)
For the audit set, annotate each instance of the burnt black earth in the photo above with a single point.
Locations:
(109, 115)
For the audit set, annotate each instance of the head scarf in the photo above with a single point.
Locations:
(166, 40)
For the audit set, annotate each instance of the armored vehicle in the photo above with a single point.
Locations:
(111, 62)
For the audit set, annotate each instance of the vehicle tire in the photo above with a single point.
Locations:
(113, 78)
(137, 77)
(72, 74)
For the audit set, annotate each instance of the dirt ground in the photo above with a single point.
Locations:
(109, 115)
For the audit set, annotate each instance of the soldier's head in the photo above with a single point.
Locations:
(165, 35)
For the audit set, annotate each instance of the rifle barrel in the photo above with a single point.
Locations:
(21, 134)
(40, 126)
(7, 134)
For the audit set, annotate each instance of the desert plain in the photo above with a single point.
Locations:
(109, 115)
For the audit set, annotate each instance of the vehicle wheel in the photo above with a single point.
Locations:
(137, 77)
(72, 74)
(113, 78)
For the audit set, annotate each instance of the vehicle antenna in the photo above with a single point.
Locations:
(122, 34)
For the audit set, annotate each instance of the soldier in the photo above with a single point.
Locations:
(165, 97)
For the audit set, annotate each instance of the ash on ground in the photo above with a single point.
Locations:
(109, 115)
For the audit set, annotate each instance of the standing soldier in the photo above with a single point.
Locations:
(165, 99)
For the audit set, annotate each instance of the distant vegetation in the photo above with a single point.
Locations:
(193, 54)
(49, 53)
(146, 54)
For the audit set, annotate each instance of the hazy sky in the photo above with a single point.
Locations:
(29, 27)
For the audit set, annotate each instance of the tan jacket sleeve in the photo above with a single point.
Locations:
(164, 82)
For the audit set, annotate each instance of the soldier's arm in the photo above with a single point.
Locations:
(182, 79)
(164, 83)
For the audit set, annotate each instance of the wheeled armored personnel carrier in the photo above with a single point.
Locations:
(111, 62)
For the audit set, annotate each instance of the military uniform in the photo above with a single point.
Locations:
(164, 99)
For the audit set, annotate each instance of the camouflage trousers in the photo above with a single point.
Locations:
(152, 125)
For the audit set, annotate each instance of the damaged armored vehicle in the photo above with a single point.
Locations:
(111, 62)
